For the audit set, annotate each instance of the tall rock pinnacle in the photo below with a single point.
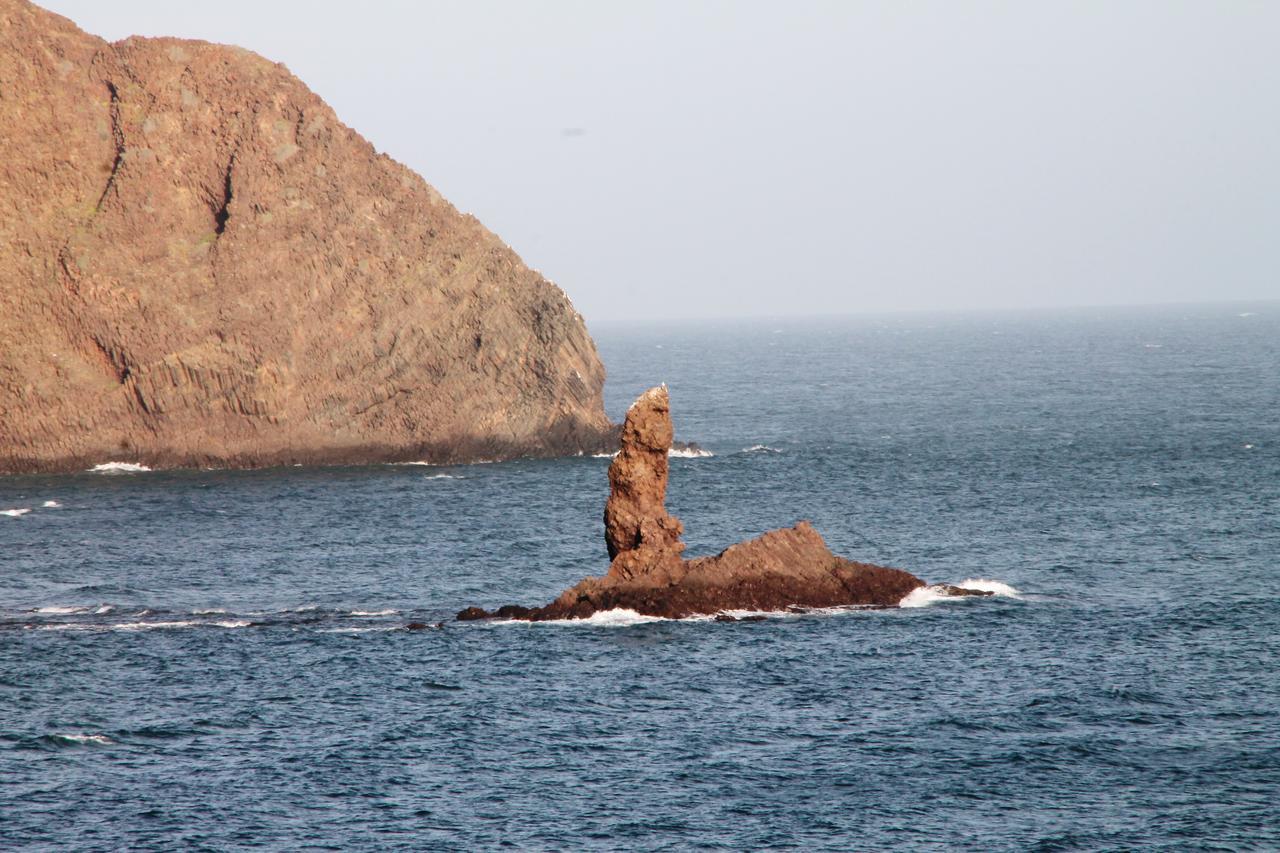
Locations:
(635, 515)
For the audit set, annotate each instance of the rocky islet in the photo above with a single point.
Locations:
(785, 569)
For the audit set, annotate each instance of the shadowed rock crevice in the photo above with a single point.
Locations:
(781, 570)
(222, 211)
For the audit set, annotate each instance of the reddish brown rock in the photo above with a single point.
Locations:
(780, 570)
(201, 265)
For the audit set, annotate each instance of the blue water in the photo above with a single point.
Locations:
(1120, 469)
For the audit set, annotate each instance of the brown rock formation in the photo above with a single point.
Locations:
(635, 516)
(201, 265)
(781, 569)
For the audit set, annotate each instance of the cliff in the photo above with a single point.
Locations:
(780, 570)
(200, 265)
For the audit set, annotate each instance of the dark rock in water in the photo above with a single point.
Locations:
(725, 617)
(949, 589)
(473, 613)
(779, 570)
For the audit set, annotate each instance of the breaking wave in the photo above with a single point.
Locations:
(118, 468)
(689, 453)
(50, 504)
(925, 596)
(617, 618)
(76, 739)
(14, 513)
(760, 448)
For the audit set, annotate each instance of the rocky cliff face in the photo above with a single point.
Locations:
(200, 265)
(782, 569)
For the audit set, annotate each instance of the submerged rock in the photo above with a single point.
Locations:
(783, 569)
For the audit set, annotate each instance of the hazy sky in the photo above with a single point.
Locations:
(731, 158)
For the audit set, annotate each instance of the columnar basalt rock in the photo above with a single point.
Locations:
(201, 265)
(780, 570)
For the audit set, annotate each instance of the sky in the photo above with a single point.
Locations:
(726, 159)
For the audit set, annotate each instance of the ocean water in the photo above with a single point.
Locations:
(217, 660)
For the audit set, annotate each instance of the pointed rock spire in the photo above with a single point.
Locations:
(635, 516)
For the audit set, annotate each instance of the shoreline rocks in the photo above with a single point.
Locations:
(779, 570)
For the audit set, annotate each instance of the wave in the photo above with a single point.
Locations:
(387, 612)
(1000, 588)
(73, 738)
(925, 596)
(50, 504)
(61, 609)
(672, 453)
(620, 617)
(444, 477)
(15, 513)
(143, 626)
(118, 468)
(760, 448)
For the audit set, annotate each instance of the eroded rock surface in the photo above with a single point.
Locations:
(782, 569)
(201, 265)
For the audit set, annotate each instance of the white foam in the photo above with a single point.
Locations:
(999, 588)
(924, 596)
(603, 455)
(210, 612)
(101, 740)
(689, 453)
(428, 464)
(362, 630)
(61, 609)
(1248, 314)
(181, 623)
(15, 513)
(760, 448)
(50, 504)
(443, 477)
(118, 468)
(103, 609)
(1248, 447)
(387, 612)
(145, 626)
(617, 618)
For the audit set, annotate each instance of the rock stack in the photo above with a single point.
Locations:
(781, 570)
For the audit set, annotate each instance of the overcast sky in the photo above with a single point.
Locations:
(693, 159)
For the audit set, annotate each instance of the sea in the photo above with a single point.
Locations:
(218, 660)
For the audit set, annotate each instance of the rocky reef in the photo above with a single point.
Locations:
(783, 569)
(200, 265)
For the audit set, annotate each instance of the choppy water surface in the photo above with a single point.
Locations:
(218, 659)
